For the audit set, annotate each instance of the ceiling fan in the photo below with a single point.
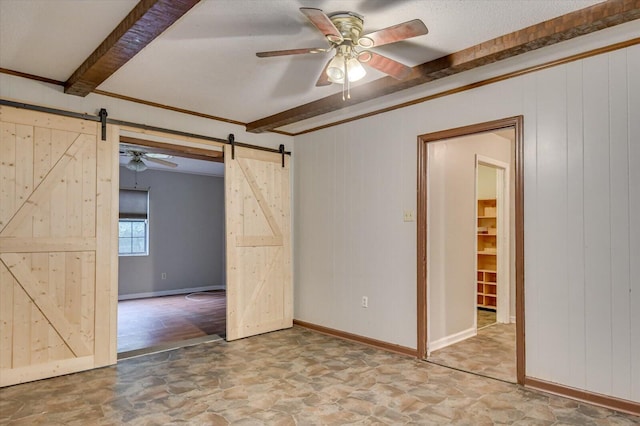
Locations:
(343, 31)
(138, 165)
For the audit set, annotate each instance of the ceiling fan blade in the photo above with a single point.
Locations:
(291, 52)
(322, 23)
(388, 66)
(395, 33)
(323, 80)
(159, 161)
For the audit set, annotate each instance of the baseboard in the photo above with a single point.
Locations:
(169, 292)
(379, 344)
(611, 402)
(454, 338)
(512, 319)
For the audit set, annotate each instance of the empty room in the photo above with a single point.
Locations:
(319, 212)
(169, 205)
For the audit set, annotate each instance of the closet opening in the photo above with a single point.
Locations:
(171, 274)
(470, 249)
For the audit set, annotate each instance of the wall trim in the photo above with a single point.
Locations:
(451, 339)
(618, 404)
(169, 292)
(378, 344)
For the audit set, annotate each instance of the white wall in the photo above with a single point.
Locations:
(582, 218)
(486, 182)
(452, 231)
(186, 234)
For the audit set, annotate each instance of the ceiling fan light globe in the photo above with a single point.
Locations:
(355, 70)
(136, 165)
(335, 70)
(335, 75)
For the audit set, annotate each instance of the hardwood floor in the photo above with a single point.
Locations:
(144, 323)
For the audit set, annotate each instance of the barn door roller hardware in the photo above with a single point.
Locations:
(103, 121)
(232, 141)
(281, 149)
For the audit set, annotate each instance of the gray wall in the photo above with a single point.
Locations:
(186, 233)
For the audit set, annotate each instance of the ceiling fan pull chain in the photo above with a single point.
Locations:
(346, 76)
(343, 87)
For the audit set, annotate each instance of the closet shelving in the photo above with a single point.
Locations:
(487, 282)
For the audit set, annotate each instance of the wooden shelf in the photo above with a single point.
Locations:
(487, 277)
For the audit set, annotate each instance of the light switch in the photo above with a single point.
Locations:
(409, 216)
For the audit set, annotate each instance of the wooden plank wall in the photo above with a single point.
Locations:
(581, 198)
(582, 218)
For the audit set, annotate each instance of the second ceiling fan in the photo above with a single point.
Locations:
(138, 158)
(343, 31)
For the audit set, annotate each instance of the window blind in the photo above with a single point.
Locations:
(134, 204)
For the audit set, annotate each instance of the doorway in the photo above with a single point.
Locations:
(494, 260)
(256, 231)
(171, 280)
(457, 246)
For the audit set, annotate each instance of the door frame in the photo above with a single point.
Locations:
(503, 242)
(422, 203)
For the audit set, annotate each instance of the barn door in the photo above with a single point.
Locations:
(58, 270)
(259, 285)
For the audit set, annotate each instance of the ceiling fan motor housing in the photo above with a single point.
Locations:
(349, 24)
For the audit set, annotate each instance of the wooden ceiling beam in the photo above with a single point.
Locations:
(574, 24)
(175, 150)
(146, 21)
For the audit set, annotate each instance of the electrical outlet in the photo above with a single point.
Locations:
(365, 302)
(164, 276)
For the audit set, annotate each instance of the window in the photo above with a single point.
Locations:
(132, 237)
(133, 227)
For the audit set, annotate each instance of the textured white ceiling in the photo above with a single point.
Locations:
(206, 61)
(51, 38)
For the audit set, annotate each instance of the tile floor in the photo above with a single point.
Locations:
(289, 377)
(485, 318)
(492, 353)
